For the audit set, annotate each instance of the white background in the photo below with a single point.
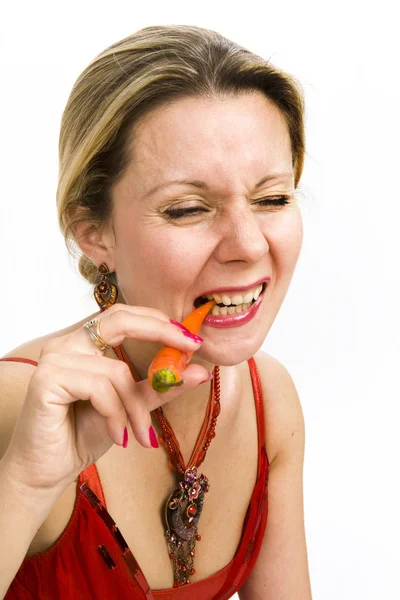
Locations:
(338, 329)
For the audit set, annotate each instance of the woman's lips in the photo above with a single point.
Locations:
(236, 319)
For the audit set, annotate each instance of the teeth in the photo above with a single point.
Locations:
(229, 310)
(257, 292)
(238, 300)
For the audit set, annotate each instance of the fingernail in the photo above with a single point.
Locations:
(208, 379)
(125, 442)
(185, 331)
(192, 336)
(153, 438)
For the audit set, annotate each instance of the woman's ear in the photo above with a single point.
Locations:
(97, 244)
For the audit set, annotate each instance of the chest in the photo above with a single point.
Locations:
(138, 507)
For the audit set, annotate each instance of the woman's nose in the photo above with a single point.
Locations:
(241, 236)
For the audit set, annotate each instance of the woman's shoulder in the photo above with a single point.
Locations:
(32, 348)
(283, 413)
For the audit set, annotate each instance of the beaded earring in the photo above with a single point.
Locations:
(105, 292)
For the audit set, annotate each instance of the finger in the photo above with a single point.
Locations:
(115, 327)
(135, 310)
(68, 341)
(62, 386)
(138, 399)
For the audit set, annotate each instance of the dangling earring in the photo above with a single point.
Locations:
(105, 292)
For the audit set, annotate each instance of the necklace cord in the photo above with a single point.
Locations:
(182, 532)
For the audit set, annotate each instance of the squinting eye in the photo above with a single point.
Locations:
(281, 201)
(178, 213)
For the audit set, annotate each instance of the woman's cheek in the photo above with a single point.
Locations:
(287, 238)
(182, 256)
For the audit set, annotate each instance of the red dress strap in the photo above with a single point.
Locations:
(23, 360)
(258, 397)
(90, 476)
(257, 513)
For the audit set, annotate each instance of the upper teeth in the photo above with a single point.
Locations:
(236, 298)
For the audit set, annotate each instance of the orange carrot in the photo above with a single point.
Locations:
(167, 366)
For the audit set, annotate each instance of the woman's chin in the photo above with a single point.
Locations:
(228, 354)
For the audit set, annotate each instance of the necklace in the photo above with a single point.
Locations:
(184, 505)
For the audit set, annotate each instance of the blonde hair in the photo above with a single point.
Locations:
(130, 79)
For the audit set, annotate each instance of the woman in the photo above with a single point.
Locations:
(180, 153)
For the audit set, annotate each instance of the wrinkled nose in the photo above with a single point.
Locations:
(242, 237)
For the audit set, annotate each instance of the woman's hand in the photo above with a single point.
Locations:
(78, 401)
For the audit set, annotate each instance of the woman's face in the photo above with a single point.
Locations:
(228, 238)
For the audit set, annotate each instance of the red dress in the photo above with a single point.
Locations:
(91, 560)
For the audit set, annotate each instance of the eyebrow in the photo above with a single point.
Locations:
(202, 185)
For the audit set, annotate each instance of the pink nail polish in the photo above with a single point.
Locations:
(192, 336)
(186, 332)
(153, 438)
(125, 441)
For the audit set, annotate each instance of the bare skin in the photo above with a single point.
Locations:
(136, 481)
(233, 240)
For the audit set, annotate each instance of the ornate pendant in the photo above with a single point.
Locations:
(182, 513)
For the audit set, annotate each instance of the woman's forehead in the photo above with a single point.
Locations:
(192, 136)
(189, 121)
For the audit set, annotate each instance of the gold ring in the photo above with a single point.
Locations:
(93, 329)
